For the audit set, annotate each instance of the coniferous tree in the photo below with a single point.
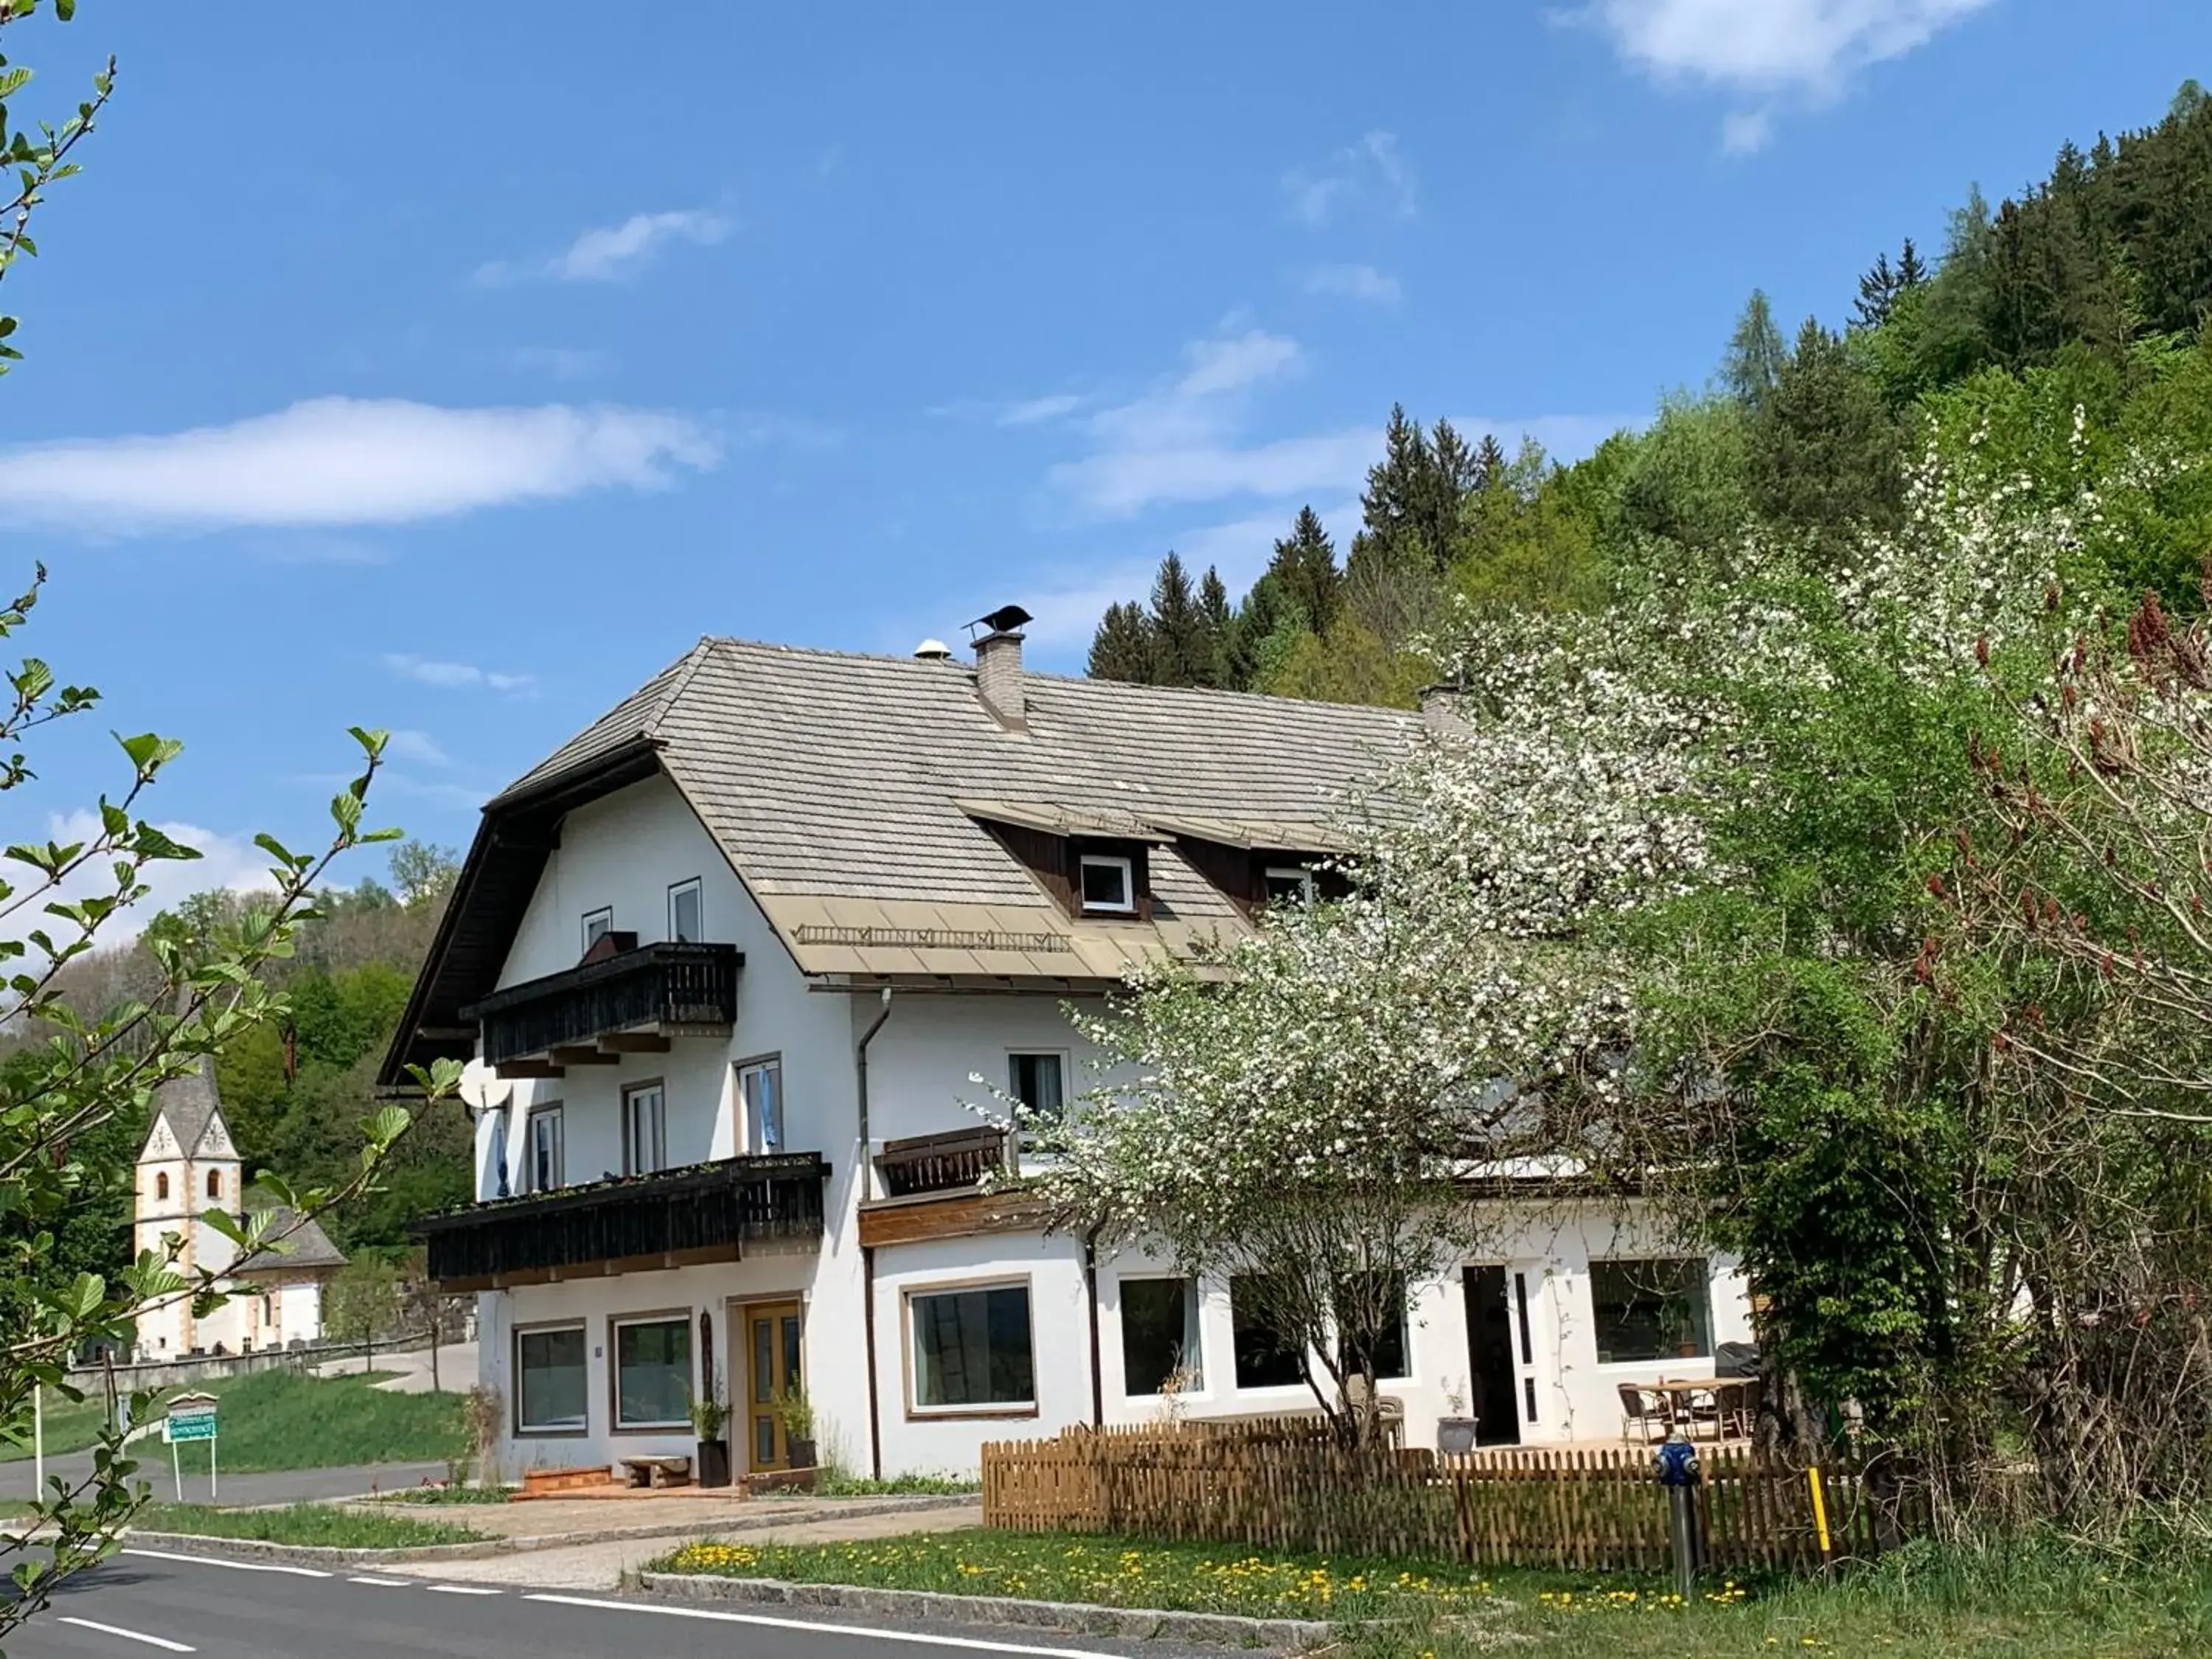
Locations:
(1121, 649)
(1182, 650)
(1304, 568)
(1490, 462)
(1220, 626)
(1826, 452)
(1910, 271)
(1756, 353)
(1878, 286)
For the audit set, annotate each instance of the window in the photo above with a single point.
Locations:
(645, 1129)
(684, 922)
(1160, 1335)
(1265, 1358)
(1646, 1310)
(597, 924)
(1035, 1081)
(1107, 884)
(971, 1348)
(544, 1171)
(760, 1086)
(1289, 885)
(161, 1188)
(1385, 1305)
(215, 1183)
(653, 1373)
(548, 1371)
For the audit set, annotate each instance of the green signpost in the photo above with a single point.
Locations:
(190, 1417)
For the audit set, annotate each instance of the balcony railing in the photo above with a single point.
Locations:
(668, 989)
(940, 1162)
(706, 1211)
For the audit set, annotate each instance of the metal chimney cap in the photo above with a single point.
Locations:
(934, 650)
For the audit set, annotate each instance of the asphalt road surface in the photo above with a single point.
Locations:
(282, 1487)
(144, 1605)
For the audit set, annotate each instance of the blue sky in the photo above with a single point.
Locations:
(452, 370)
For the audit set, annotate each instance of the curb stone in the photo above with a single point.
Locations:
(312, 1555)
(707, 1525)
(1078, 1617)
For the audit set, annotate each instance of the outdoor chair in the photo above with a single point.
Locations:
(1642, 1411)
(1741, 1416)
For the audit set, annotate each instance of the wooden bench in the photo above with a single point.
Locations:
(658, 1471)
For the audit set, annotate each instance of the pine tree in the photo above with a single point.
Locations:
(1182, 650)
(1398, 484)
(1911, 272)
(1826, 452)
(1877, 288)
(1220, 626)
(1755, 354)
(1490, 462)
(1304, 568)
(1121, 649)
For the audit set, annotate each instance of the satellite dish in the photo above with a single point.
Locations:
(483, 1089)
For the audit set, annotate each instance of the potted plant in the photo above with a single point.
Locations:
(1455, 1429)
(710, 1418)
(796, 1412)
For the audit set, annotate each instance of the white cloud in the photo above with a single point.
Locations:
(1354, 282)
(1810, 47)
(230, 862)
(453, 675)
(608, 253)
(333, 461)
(417, 747)
(1370, 171)
(1029, 411)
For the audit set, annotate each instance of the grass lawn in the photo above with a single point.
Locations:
(443, 1495)
(303, 1524)
(1122, 1573)
(286, 1421)
(2024, 1602)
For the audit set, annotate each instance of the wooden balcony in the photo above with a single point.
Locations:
(940, 1162)
(677, 1218)
(634, 1000)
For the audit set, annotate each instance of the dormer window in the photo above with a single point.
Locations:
(1289, 884)
(1108, 885)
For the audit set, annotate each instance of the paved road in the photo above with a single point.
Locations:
(282, 1486)
(263, 1611)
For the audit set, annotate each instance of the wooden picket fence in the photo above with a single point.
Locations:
(1270, 1487)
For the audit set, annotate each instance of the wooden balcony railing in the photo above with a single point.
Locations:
(669, 989)
(940, 1162)
(705, 1211)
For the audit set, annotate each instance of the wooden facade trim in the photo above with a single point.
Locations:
(953, 1215)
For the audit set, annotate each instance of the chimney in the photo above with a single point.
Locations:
(999, 677)
(1440, 709)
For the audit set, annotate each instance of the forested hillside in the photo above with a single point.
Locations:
(294, 1094)
(2088, 292)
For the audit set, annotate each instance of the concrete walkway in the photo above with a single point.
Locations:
(600, 1566)
(457, 1368)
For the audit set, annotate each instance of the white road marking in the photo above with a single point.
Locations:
(236, 1566)
(127, 1635)
(383, 1584)
(465, 1589)
(773, 1623)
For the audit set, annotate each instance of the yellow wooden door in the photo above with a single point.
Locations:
(771, 1349)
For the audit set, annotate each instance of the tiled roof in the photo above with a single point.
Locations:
(828, 776)
(190, 1103)
(307, 1244)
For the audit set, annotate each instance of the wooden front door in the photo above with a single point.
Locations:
(768, 1333)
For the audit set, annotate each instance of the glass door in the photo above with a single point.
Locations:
(771, 1352)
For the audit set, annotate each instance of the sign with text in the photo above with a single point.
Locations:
(190, 1417)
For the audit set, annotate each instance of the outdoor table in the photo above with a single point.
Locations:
(1680, 1395)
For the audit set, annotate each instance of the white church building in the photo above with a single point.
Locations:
(187, 1167)
(722, 968)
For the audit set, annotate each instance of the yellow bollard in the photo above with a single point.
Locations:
(1819, 1511)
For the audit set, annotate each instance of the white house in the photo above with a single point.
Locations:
(187, 1167)
(723, 966)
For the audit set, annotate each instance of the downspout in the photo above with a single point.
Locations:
(867, 1180)
(1091, 1289)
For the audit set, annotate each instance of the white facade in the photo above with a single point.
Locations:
(584, 1403)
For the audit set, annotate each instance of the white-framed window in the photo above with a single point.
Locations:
(597, 924)
(760, 1093)
(686, 921)
(549, 1386)
(645, 1128)
(1039, 1081)
(1160, 1335)
(971, 1349)
(1108, 882)
(1289, 884)
(1266, 1357)
(544, 1173)
(652, 1361)
(1643, 1310)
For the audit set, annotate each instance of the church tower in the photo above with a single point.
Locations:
(188, 1165)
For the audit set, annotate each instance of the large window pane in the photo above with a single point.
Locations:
(653, 1374)
(1381, 1303)
(972, 1348)
(1646, 1310)
(1159, 1334)
(550, 1380)
(1265, 1358)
